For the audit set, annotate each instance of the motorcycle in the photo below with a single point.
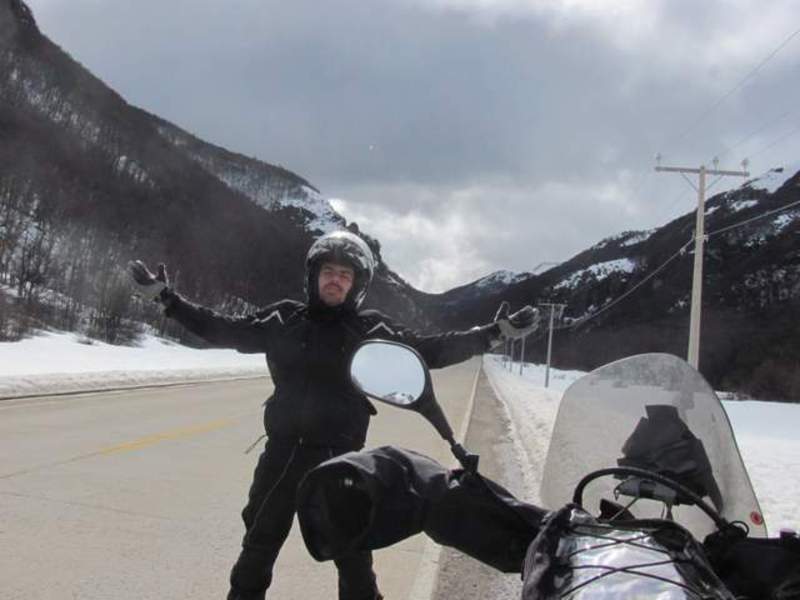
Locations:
(645, 489)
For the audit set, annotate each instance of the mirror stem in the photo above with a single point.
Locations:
(433, 412)
(468, 460)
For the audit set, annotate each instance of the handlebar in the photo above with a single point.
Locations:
(682, 490)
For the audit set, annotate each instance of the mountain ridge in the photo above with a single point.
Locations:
(88, 181)
(629, 293)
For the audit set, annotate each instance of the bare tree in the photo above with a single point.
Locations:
(34, 260)
(13, 220)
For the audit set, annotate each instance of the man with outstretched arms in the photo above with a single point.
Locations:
(315, 412)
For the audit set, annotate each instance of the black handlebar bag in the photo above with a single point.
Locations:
(371, 499)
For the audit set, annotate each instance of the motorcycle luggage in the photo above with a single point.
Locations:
(578, 557)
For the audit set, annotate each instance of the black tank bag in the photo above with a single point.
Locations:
(576, 556)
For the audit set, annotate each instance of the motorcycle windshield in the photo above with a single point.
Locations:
(652, 411)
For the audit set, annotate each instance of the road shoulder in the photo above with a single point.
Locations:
(461, 576)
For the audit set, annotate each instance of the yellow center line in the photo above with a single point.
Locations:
(174, 434)
(144, 442)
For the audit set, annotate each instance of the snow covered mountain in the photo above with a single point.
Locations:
(269, 186)
(88, 182)
(488, 285)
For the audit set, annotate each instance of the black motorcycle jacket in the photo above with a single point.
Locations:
(308, 350)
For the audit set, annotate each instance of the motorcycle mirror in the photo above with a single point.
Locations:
(396, 374)
(389, 372)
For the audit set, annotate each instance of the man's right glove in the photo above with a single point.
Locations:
(150, 285)
(519, 325)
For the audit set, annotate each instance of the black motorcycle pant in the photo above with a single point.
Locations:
(268, 518)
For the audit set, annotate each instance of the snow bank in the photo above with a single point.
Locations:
(766, 433)
(64, 362)
(531, 410)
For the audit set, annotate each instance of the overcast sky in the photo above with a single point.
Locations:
(466, 135)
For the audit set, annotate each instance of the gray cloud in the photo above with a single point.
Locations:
(524, 131)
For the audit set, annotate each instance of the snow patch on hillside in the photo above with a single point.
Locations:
(774, 179)
(755, 240)
(637, 237)
(263, 186)
(597, 271)
(324, 218)
(124, 164)
(624, 239)
(782, 221)
(742, 205)
(321, 217)
(501, 277)
(270, 194)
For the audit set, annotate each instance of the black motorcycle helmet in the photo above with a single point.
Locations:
(340, 247)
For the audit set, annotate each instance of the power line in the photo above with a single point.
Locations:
(756, 218)
(642, 179)
(674, 203)
(663, 265)
(736, 87)
(652, 274)
(758, 130)
(782, 137)
(639, 184)
(778, 140)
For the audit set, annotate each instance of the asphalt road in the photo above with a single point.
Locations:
(136, 494)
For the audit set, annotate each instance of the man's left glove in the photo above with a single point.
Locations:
(518, 325)
(150, 285)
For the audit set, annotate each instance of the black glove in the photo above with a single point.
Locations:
(149, 285)
(521, 324)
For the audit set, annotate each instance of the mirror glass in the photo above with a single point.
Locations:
(388, 372)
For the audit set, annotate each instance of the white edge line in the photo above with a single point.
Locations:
(427, 575)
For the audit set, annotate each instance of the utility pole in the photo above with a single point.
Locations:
(699, 241)
(553, 308)
(513, 343)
